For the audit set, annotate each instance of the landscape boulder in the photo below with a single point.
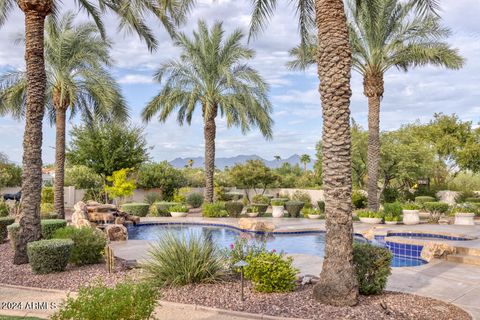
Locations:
(116, 232)
(255, 225)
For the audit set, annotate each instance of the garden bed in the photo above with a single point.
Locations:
(72, 278)
(300, 304)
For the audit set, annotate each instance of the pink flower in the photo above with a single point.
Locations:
(231, 246)
(274, 250)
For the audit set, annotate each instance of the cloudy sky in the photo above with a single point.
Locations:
(296, 109)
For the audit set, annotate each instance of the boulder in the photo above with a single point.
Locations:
(132, 218)
(255, 225)
(436, 250)
(79, 215)
(119, 220)
(100, 216)
(116, 232)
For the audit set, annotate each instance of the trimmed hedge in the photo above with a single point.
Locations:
(89, 244)
(47, 256)
(423, 199)
(161, 209)
(195, 200)
(214, 210)
(4, 209)
(321, 205)
(261, 207)
(49, 226)
(136, 209)
(372, 265)
(294, 208)
(234, 208)
(4, 222)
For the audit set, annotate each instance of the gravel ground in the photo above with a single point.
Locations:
(391, 305)
(70, 279)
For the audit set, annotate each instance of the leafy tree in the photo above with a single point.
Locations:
(305, 159)
(469, 156)
(212, 74)
(195, 177)
(10, 173)
(76, 58)
(253, 174)
(385, 34)
(121, 184)
(131, 14)
(107, 148)
(161, 175)
(82, 177)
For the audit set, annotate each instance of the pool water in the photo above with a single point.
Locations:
(306, 243)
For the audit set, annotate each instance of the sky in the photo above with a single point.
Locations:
(408, 97)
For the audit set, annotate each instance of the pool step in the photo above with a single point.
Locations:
(463, 258)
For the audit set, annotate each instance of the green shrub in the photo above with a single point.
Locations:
(422, 199)
(392, 211)
(152, 197)
(4, 223)
(261, 207)
(411, 206)
(136, 209)
(278, 202)
(293, 208)
(372, 265)
(260, 198)
(160, 209)
(321, 205)
(369, 214)
(47, 256)
(234, 208)
(195, 200)
(302, 196)
(4, 209)
(390, 195)
(89, 244)
(178, 208)
(180, 260)
(359, 199)
(281, 199)
(242, 249)
(47, 195)
(462, 196)
(46, 209)
(313, 211)
(472, 200)
(48, 216)
(271, 272)
(49, 226)
(232, 195)
(214, 210)
(127, 301)
(436, 210)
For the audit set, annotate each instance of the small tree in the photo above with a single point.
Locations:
(122, 185)
(161, 175)
(305, 159)
(253, 174)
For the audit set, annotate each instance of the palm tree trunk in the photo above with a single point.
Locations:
(338, 282)
(209, 133)
(373, 90)
(60, 116)
(35, 13)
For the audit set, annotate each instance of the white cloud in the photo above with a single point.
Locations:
(135, 79)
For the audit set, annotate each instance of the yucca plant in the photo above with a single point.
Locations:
(180, 260)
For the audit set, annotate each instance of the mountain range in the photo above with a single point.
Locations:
(222, 162)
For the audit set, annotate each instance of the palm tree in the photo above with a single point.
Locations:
(75, 61)
(338, 283)
(211, 73)
(131, 14)
(305, 159)
(386, 34)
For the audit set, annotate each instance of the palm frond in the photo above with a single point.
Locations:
(5, 7)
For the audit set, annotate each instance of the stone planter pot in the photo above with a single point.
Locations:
(464, 218)
(391, 222)
(411, 217)
(252, 214)
(314, 216)
(178, 214)
(371, 220)
(277, 211)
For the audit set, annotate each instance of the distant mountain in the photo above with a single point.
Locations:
(221, 163)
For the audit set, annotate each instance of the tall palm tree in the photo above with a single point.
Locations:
(338, 283)
(211, 74)
(305, 159)
(77, 80)
(385, 34)
(131, 14)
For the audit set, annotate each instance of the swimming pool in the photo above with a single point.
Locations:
(311, 243)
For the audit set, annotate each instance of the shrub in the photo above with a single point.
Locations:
(232, 195)
(472, 200)
(359, 199)
(47, 256)
(321, 205)
(152, 197)
(136, 209)
(462, 196)
(390, 195)
(4, 209)
(294, 207)
(214, 210)
(260, 198)
(4, 223)
(410, 206)
(242, 249)
(234, 208)
(82, 177)
(126, 301)
(180, 260)
(369, 214)
(302, 196)
(278, 202)
(160, 209)
(49, 226)
(422, 199)
(372, 265)
(88, 244)
(178, 208)
(313, 211)
(261, 207)
(436, 210)
(392, 211)
(271, 272)
(48, 216)
(161, 175)
(47, 195)
(195, 200)
(46, 208)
